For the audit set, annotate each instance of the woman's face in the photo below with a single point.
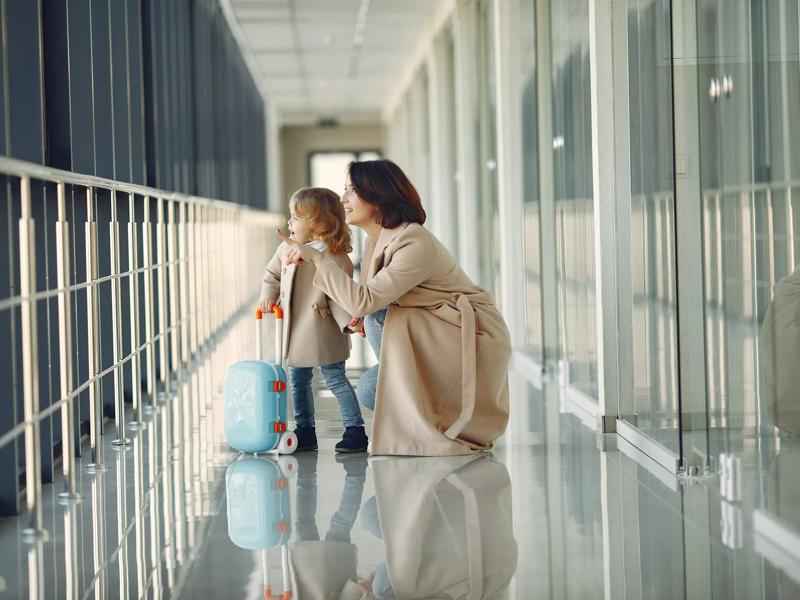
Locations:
(356, 211)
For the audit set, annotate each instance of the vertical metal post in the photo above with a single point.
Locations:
(30, 369)
(163, 327)
(690, 204)
(790, 233)
(465, 34)
(507, 51)
(133, 279)
(547, 206)
(205, 273)
(183, 282)
(173, 289)
(93, 339)
(191, 225)
(611, 186)
(216, 284)
(65, 349)
(149, 325)
(116, 315)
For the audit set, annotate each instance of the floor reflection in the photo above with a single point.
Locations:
(444, 524)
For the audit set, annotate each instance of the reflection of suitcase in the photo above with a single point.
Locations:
(259, 509)
(255, 400)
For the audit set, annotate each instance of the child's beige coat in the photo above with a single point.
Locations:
(314, 326)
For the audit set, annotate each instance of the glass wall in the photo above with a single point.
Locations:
(450, 165)
(572, 184)
(655, 357)
(531, 205)
(488, 223)
(749, 141)
(714, 142)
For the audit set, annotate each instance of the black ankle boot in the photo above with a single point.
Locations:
(353, 440)
(306, 438)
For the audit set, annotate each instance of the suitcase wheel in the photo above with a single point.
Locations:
(288, 443)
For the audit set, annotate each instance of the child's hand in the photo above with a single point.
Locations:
(356, 325)
(265, 305)
(297, 253)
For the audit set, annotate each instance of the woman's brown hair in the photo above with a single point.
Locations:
(325, 214)
(384, 185)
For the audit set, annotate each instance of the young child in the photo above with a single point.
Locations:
(316, 329)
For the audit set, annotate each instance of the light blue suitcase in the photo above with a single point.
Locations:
(259, 510)
(255, 400)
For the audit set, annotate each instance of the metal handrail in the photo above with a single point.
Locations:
(20, 168)
(196, 253)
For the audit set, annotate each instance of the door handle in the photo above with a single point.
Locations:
(727, 85)
(714, 89)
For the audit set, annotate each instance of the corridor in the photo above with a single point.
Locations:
(605, 191)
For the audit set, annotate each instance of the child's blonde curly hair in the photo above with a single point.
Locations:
(324, 212)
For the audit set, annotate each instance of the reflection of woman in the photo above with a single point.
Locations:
(446, 525)
(780, 351)
(442, 386)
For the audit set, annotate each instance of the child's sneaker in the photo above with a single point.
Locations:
(353, 440)
(306, 438)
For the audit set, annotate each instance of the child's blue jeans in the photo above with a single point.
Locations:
(336, 379)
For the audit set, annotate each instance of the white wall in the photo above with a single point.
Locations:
(299, 142)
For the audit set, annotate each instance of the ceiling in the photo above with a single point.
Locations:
(335, 59)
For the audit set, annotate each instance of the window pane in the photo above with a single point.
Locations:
(328, 169)
(655, 356)
(572, 183)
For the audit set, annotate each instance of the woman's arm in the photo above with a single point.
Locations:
(340, 315)
(410, 265)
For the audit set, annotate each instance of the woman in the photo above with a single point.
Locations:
(438, 323)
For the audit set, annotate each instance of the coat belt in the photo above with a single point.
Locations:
(468, 363)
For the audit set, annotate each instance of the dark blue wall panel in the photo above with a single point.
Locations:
(147, 91)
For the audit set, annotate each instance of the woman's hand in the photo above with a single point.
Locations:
(356, 325)
(297, 253)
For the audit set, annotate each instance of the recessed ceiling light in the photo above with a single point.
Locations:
(327, 39)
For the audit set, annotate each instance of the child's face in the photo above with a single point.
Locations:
(299, 228)
(356, 211)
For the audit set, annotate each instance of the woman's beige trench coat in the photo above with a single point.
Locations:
(438, 326)
(315, 329)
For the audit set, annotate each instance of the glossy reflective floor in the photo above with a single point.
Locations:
(557, 511)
